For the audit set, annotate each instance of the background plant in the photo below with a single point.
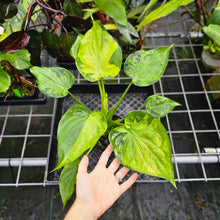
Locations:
(212, 31)
(56, 24)
(208, 18)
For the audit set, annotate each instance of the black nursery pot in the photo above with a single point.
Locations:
(33, 96)
(36, 98)
(89, 96)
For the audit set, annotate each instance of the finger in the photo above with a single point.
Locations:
(105, 155)
(122, 172)
(128, 183)
(114, 165)
(83, 165)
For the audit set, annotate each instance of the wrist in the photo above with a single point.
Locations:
(80, 211)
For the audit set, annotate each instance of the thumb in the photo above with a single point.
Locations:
(83, 165)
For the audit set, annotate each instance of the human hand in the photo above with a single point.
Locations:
(98, 190)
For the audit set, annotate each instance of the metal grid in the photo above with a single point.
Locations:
(24, 143)
(192, 127)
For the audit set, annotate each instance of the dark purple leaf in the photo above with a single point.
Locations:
(14, 42)
(70, 22)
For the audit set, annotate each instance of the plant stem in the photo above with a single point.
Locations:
(104, 97)
(48, 7)
(30, 9)
(89, 151)
(113, 109)
(75, 98)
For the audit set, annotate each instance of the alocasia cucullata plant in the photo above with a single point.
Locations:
(139, 140)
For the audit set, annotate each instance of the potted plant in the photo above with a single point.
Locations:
(21, 46)
(139, 140)
(211, 52)
(14, 59)
(98, 57)
(209, 23)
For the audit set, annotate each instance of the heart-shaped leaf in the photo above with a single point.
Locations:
(98, 54)
(142, 144)
(78, 130)
(20, 59)
(54, 81)
(159, 106)
(67, 181)
(5, 81)
(146, 67)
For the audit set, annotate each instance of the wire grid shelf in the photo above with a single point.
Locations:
(193, 128)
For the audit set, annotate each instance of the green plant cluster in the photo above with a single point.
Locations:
(33, 24)
(139, 140)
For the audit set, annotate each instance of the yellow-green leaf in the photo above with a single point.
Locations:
(78, 130)
(146, 67)
(213, 31)
(54, 81)
(142, 144)
(5, 81)
(97, 54)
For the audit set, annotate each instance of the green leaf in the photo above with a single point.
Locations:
(7, 10)
(128, 31)
(159, 106)
(163, 10)
(75, 47)
(51, 42)
(67, 181)
(15, 23)
(89, 12)
(215, 16)
(114, 8)
(97, 54)
(146, 67)
(213, 31)
(136, 11)
(142, 144)
(66, 41)
(5, 81)
(71, 7)
(54, 81)
(78, 130)
(84, 1)
(19, 59)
